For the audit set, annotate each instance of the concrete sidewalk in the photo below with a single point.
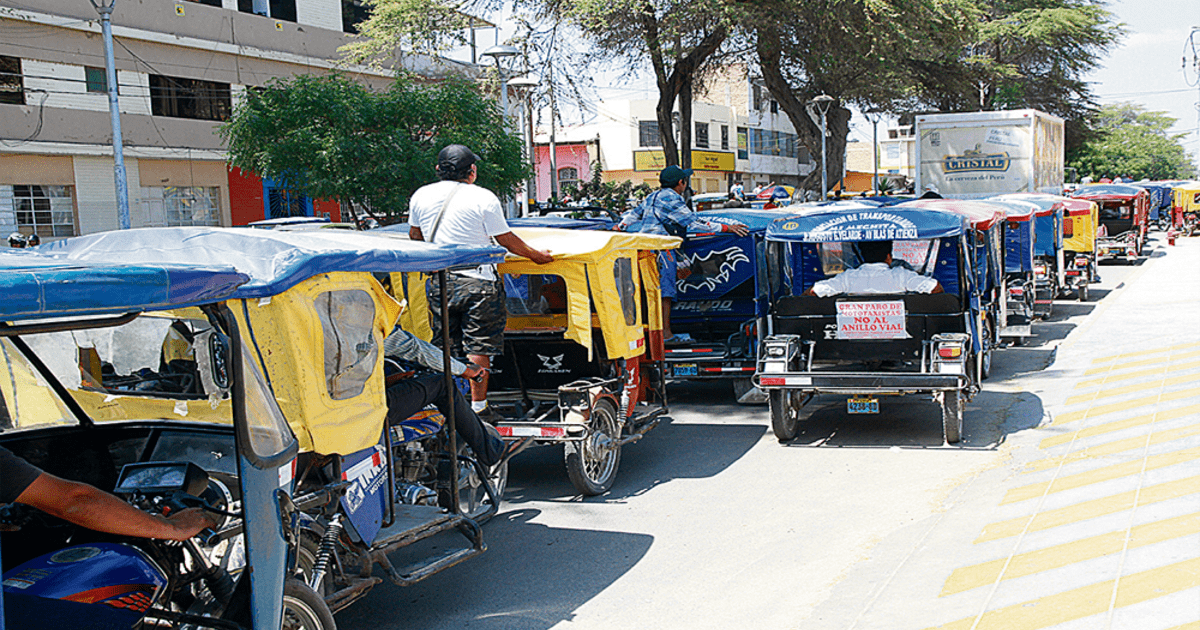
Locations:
(1093, 521)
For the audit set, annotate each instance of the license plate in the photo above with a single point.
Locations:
(862, 405)
(685, 369)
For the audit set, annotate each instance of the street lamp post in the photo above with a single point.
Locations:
(822, 104)
(874, 115)
(523, 85)
(497, 53)
(110, 74)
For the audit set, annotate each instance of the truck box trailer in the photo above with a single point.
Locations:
(972, 155)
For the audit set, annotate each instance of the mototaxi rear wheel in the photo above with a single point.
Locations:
(952, 416)
(785, 407)
(592, 462)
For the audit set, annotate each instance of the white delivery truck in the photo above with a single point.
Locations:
(972, 155)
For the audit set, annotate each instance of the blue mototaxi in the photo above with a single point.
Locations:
(1049, 264)
(96, 292)
(1161, 196)
(1017, 312)
(722, 301)
(307, 295)
(933, 344)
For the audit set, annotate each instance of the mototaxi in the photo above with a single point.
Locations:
(313, 317)
(721, 302)
(1080, 224)
(867, 347)
(1018, 310)
(1186, 207)
(1049, 267)
(1124, 219)
(79, 343)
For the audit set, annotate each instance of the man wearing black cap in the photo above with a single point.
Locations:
(454, 211)
(665, 212)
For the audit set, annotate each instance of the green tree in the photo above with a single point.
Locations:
(1128, 140)
(881, 54)
(329, 137)
(612, 196)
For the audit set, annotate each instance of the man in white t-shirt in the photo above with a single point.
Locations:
(454, 211)
(875, 276)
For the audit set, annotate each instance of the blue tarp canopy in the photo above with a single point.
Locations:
(897, 223)
(35, 283)
(754, 220)
(275, 261)
(1104, 190)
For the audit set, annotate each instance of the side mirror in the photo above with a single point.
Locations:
(212, 361)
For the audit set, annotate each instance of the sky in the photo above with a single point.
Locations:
(1146, 68)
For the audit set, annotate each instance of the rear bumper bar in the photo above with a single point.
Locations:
(861, 382)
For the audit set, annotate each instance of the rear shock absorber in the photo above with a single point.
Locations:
(325, 551)
(629, 382)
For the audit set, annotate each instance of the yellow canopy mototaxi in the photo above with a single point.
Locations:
(1081, 220)
(583, 350)
(1185, 207)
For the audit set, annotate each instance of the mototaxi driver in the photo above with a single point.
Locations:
(88, 506)
(875, 276)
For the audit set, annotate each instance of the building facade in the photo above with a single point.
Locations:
(739, 134)
(181, 69)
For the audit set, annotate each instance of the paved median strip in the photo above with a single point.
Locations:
(1120, 425)
(1126, 405)
(1085, 510)
(1142, 353)
(1109, 392)
(1094, 599)
(1160, 369)
(1143, 362)
(1058, 556)
(1108, 473)
(1112, 448)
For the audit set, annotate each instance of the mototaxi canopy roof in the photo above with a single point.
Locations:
(900, 222)
(1078, 207)
(982, 216)
(588, 261)
(275, 261)
(595, 223)
(1015, 210)
(1107, 191)
(37, 283)
(755, 220)
(1046, 204)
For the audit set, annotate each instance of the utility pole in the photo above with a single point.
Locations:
(110, 74)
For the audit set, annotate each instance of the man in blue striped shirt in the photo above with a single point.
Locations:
(666, 207)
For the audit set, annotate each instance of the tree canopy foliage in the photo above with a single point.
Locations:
(1128, 140)
(330, 137)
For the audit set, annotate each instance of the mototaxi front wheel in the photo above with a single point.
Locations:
(303, 609)
(592, 462)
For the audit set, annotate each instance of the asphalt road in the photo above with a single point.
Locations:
(714, 524)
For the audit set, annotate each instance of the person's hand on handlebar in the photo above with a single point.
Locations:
(187, 523)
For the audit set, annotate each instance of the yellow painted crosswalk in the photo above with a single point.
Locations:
(1125, 448)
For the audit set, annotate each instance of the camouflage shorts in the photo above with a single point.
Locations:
(476, 312)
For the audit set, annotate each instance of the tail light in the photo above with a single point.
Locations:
(950, 350)
(1016, 291)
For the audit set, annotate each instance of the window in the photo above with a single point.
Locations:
(354, 12)
(743, 138)
(12, 85)
(42, 210)
(535, 294)
(182, 205)
(724, 137)
(758, 97)
(96, 79)
(774, 107)
(648, 134)
(282, 202)
(347, 323)
(702, 135)
(623, 275)
(189, 98)
(279, 9)
(568, 176)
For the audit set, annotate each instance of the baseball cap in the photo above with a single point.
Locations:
(673, 174)
(456, 157)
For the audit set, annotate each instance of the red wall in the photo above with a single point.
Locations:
(245, 197)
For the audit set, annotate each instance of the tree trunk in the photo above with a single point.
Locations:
(793, 104)
(685, 123)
